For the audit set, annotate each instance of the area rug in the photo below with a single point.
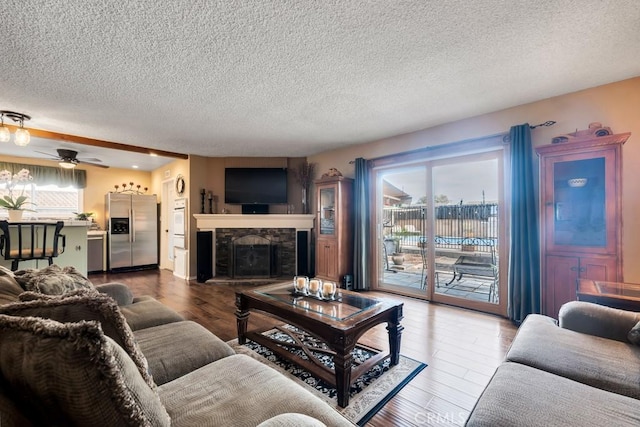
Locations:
(369, 393)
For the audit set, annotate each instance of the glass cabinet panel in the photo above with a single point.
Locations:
(579, 203)
(327, 210)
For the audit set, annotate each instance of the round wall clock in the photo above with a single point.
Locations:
(180, 185)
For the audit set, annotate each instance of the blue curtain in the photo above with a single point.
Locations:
(362, 231)
(524, 257)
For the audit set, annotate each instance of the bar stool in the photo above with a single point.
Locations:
(25, 241)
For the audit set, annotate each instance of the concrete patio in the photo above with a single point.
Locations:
(410, 274)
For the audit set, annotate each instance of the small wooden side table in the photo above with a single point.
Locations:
(625, 296)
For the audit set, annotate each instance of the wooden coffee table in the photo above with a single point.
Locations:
(339, 324)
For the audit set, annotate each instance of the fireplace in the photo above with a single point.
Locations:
(254, 257)
(288, 237)
(255, 252)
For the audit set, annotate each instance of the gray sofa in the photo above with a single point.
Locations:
(108, 358)
(582, 371)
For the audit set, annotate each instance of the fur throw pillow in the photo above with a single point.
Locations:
(72, 374)
(52, 280)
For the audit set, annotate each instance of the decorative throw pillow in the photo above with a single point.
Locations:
(72, 374)
(52, 280)
(83, 305)
(634, 334)
(10, 290)
(4, 271)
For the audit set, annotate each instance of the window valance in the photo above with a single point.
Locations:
(47, 175)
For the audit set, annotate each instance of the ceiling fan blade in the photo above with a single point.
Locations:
(89, 159)
(53, 156)
(94, 164)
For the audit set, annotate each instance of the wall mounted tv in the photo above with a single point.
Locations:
(255, 185)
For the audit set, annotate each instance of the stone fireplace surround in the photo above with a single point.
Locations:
(280, 231)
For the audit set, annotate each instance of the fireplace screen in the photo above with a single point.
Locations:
(252, 261)
(252, 257)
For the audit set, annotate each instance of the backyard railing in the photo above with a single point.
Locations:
(407, 225)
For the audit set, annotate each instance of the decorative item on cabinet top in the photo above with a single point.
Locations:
(595, 130)
(332, 172)
(130, 189)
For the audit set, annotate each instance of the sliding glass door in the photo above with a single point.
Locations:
(440, 234)
(402, 200)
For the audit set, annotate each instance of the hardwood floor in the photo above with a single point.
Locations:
(461, 347)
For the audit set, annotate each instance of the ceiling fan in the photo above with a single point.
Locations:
(68, 159)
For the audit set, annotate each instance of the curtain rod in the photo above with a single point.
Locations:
(505, 138)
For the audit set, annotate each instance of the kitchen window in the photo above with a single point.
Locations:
(49, 201)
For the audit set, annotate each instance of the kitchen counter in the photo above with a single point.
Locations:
(67, 222)
(75, 253)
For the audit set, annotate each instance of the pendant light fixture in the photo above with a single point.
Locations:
(22, 137)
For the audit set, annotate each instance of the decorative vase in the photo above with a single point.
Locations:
(305, 205)
(15, 214)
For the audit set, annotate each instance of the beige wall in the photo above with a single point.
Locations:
(615, 105)
(207, 173)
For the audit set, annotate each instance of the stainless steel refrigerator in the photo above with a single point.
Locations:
(132, 230)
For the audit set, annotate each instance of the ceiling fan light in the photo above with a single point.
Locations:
(22, 137)
(65, 164)
(5, 135)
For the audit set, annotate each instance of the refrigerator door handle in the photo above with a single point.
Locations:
(133, 225)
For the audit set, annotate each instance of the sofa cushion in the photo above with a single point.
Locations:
(118, 291)
(520, 395)
(52, 280)
(634, 334)
(218, 394)
(72, 374)
(83, 305)
(10, 289)
(599, 362)
(598, 320)
(146, 312)
(177, 348)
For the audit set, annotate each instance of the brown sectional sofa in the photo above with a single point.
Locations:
(196, 379)
(584, 371)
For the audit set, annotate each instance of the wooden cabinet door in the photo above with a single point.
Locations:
(598, 269)
(560, 283)
(327, 259)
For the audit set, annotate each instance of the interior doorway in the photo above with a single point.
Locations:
(166, 225)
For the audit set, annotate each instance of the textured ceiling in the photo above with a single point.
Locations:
(294, 78)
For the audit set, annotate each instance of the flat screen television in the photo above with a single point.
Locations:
(255, 185)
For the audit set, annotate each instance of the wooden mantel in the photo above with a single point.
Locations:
(215, 221)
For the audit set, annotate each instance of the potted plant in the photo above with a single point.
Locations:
(15, 204)
(83, 216)
(397, 257)
(467, 241)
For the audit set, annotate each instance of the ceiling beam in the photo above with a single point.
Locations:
(98, 143)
